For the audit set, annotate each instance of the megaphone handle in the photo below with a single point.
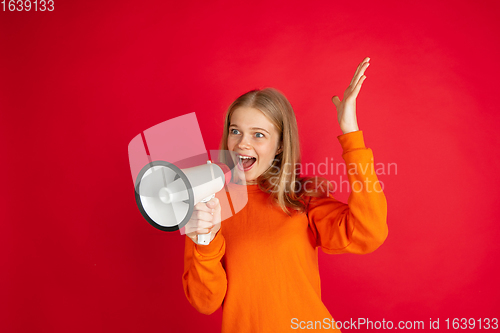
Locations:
(204, 239)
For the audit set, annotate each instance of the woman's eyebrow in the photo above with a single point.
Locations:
(252, 128)
(258, 128)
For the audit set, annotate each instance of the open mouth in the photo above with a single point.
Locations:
(246, 163)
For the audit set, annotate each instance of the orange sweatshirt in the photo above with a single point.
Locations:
(262, 266)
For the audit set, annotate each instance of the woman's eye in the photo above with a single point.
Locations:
(234, 131)
(257, 134)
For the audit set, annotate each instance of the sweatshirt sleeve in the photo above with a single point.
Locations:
(204, 279)
(360, 226)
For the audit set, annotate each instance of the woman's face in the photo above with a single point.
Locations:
(252, 135)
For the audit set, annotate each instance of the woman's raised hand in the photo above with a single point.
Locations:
(206, 218)
(346, 108)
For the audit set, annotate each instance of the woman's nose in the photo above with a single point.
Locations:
(244, 143)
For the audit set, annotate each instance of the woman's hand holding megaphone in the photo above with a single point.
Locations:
(206, 218)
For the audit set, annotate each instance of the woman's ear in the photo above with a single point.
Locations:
(280, 149)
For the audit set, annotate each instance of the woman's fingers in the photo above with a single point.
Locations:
(203, 216)
(356, 83)
(204, 227)
(361, 67)
(346, 108)
(356, 72)
(200, 220)
(202, 206)
(336, 100)
(360, 71)
(213, 203)
(357, 88)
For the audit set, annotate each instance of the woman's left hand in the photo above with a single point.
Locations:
(346, 109)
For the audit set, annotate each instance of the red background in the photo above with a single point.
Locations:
(77, 84)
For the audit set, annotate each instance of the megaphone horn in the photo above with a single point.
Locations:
(166, 195)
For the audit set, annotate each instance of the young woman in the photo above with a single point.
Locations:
(262, 263)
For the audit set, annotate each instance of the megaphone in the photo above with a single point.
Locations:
(166, 195)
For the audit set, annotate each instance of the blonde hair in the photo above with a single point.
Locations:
(282, 185)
